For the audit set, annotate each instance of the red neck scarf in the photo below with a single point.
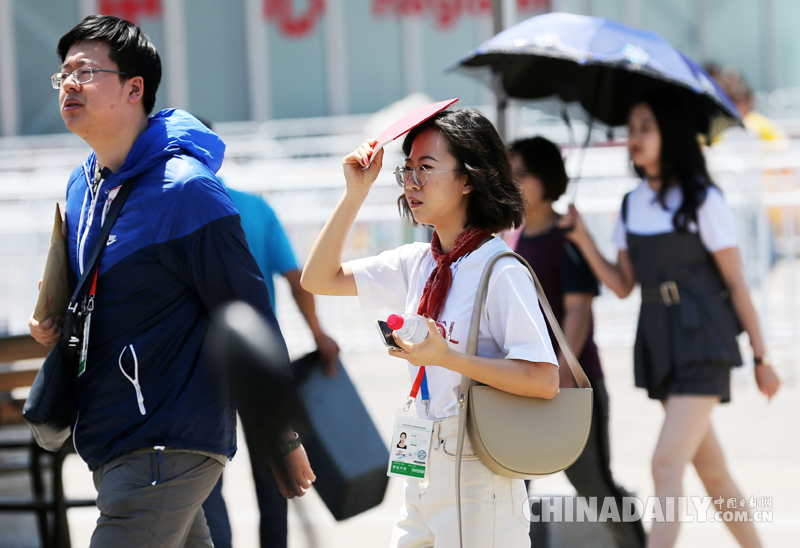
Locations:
(438, 284)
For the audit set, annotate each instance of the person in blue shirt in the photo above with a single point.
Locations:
(151, 418)
(270, 246)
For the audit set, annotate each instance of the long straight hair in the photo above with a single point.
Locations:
(682, 161)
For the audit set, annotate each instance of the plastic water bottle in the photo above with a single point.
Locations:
(409, 327)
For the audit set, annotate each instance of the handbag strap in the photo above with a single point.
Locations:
(99, 246)
(472, 348)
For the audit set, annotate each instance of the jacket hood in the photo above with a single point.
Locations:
(170, 132)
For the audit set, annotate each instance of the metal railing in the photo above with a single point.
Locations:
(297, 168)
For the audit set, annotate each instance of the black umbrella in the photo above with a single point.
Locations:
(604, 65)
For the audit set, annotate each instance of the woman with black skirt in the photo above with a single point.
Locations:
(677, 238)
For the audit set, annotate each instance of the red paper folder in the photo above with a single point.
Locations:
(407, 123)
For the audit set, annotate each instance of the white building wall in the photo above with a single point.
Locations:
(233, 60)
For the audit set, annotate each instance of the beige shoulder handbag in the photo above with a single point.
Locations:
(518, 436)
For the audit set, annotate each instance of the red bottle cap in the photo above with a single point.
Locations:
(395, 322)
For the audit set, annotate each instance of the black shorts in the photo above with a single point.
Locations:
(700, 379)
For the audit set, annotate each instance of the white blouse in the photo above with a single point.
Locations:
(646, 216)
(512, 325)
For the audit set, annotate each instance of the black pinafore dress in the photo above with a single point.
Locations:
(686, 336)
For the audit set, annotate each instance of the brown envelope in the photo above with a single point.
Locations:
(54, 295)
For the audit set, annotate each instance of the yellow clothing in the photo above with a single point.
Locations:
(763, 127)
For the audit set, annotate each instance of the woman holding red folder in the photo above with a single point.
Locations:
(456, 178)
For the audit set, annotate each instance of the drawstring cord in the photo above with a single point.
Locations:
(160, 463)
(135, 379)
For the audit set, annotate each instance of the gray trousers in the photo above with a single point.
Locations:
(135, 513)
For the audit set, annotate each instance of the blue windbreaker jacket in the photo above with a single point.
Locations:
(176, 251)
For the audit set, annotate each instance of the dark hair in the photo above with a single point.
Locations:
(543, 159)
(129, 47)
(682, 160)
(495, 202)
(739, 91)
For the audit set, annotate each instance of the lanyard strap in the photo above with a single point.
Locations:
(92, 292)
(68, 328)
(102, 239)
(93, 289)
(421, 382)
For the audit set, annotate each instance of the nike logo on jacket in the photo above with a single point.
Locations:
(178, 251)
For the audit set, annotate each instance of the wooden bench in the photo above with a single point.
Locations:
(45, 500)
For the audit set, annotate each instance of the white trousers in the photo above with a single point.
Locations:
(491, 505)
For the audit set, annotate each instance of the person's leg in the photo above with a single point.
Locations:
(492, 506)
(591, 473)
(272, 505)
(199, 535)
(411, 530)
(136, 513)
(686, 423)
(216, 516)
(539, 531)
(713, 471)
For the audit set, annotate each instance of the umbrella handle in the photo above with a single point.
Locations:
(574, 186)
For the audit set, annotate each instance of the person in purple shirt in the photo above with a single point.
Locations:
(570, 286)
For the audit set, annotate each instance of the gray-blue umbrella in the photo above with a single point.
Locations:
(604, 65)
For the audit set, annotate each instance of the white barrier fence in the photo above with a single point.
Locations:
(760, 183)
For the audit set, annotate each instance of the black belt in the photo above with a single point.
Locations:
(666, 293)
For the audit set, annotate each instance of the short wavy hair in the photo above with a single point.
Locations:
(542, 158)
(495, 202)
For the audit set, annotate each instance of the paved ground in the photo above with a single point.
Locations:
(762, 443)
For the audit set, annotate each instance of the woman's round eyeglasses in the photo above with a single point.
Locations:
(81, 76)
(403, 174)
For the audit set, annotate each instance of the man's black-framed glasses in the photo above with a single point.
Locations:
(419, 173)
(81, 76)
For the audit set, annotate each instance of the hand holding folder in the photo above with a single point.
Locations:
(54, 294)
(406, 124)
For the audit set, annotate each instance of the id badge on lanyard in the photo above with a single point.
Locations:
(410, 445)
(87, 324)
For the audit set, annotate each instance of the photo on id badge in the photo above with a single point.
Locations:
(410, 446)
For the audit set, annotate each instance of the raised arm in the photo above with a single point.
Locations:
(730, 267)
(619, 278)
(576, 325)
(323, 273)
(326, 346)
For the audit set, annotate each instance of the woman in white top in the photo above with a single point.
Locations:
(677, 238)
(456, 178)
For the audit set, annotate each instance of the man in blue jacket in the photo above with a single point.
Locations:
(151, 420)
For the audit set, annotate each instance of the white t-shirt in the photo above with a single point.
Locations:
(512, 325)
(646, 216)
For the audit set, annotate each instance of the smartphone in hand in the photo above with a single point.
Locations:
(386, 335)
